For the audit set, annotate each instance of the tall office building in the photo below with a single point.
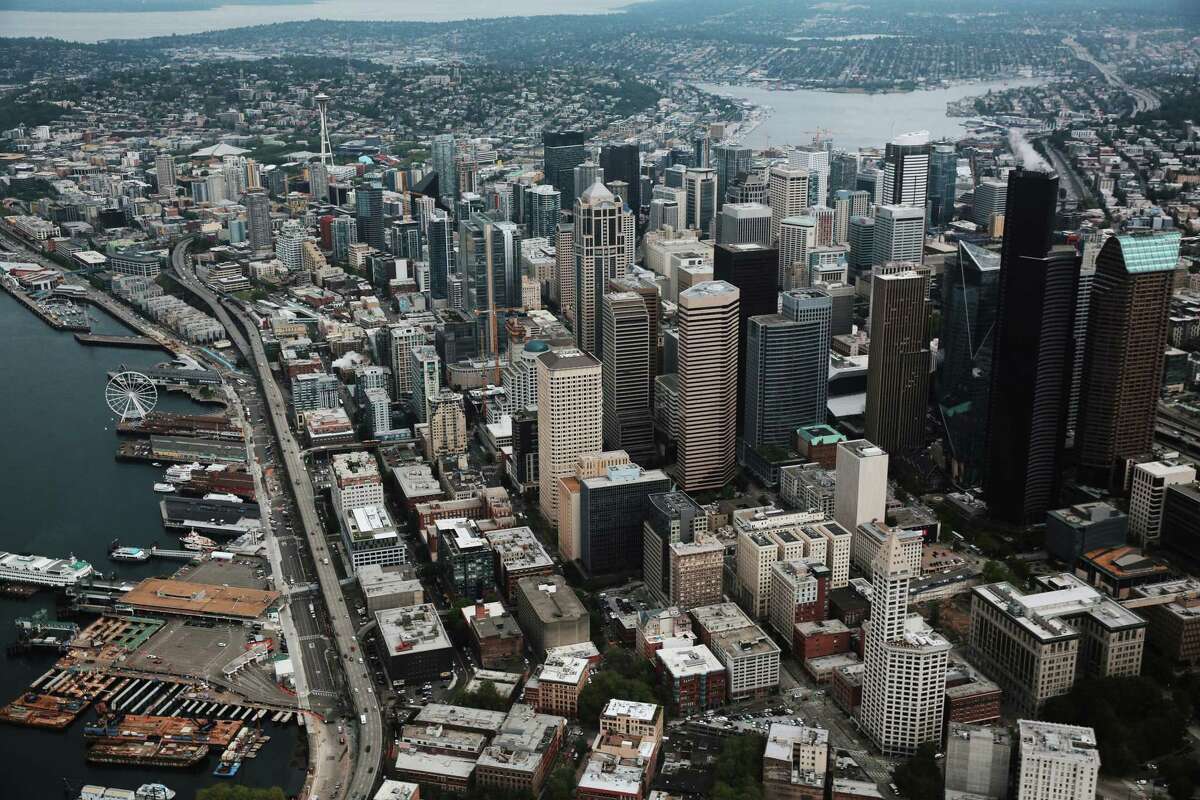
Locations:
(870, 180)
(570, 419)
(970, 301)
(787, 193)
(899, 234)
(843, 169)
(623, 162)
(628, 413)
(368, 215)
(1123, 363)
(847, 204)
(990, 196)
(562, 152)
(343, 232)
(700, 185)
(544, 203)
(441, 253)
(861, 238)
(943, 182)
(404, 239)
(603, 248)
(444, 156)
(751, 268)
(401, 340)
(904, 661)
(906, 170)
(730, 161)
(708, 355)
(898, 369)
(797, 236)
(787, 368)
(1148, 494)
(612, 507)
(815, 160)
(744, 223)
(1032, 355)
(318, 181)
(1083, 302)
(258, 221)
(664, 213)
(640, 283)
(1056, 762)
(860, 492)
(586, 174)
(165, 174)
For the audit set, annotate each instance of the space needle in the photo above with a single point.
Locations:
(322, 101)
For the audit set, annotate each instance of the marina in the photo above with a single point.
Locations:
(68, 380)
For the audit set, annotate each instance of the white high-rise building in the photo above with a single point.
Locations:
(708, 355)
(700, 213)
(603, 246)
(816, 161)
(860, 494)
(797, 236)
(744, 223)
(356, 482)
(166, 174)
(570, 419)
(787, 194)
(289, 245)
(904, 662)
(906, 170)
(1056, 762)
(425, 379)
(899, 234)
(991, 196)
(401, 340)
(1147, 495)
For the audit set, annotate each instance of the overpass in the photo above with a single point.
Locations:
(370, 740)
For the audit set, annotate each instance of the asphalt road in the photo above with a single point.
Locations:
(346, 650)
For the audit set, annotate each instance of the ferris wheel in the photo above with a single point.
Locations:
(130, 395)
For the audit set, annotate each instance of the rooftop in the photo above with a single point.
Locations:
(412, 629)
(643, 712)
(1046, 615)
(682, 662)
(1063, 742)
(471, 719)
(523, 740)
(551, 598)
(184, 597)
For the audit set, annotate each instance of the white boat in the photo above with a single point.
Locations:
(164, 488)
(181, 473)
(147, 791)
(231, 498)
(194, 541)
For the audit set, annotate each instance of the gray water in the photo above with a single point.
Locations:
(856, 120)
(93, 27)
(62, 493)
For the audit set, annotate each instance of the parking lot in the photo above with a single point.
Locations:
(246, 572)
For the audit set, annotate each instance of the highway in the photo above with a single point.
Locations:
(346, 653)
(1143, 99)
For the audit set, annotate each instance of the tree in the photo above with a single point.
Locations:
(919, 778)
(561, 784)
(607, 685)
(485, 697)
(1134, 719)
(228, 791)
(739, 768)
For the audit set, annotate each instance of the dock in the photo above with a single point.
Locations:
(47, 314)
(101, 340)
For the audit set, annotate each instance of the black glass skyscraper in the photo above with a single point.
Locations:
(943, 177)
(623, 162)
(1034, 352)
(368, 214)
(751, 268)
(730, 161)
(441, 251)
(970, 299)
(562, 152)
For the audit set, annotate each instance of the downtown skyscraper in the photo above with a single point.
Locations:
(906, 170)
(708, 356)
(1032, 356)
(1123, 361)
(627, 360)
(898, 369)
(562, 152)
(622, 162)
(603, 243)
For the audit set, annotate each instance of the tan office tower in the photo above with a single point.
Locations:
(708, 353)
(602, 252)
(628, 416)
(569, 419)
(787, 194)
(898, 370)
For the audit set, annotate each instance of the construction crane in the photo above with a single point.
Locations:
(493, 331)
